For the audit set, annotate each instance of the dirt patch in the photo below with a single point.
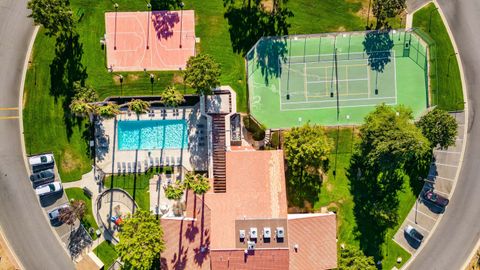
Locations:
(267, 5)
(341, 29)
(329, 187)
(132, 77)
(177, 78)
(363, 12)
(7, 260)
(69, 161)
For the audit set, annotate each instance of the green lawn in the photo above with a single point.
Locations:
(335, 194)
(88, 220)
(449, 84)
(106, 253)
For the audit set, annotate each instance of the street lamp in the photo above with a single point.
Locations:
(149, 7)
(115, 33)
(181, 22)
(152, 79)
(121, 84)
(430, 19)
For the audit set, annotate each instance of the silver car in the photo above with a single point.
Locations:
(48, 189)
(55, 213)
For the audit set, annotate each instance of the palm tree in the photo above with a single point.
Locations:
(109, 110)
(138, 106)
(189, 180)
(201, 184)
(174, 191)
(171, 97)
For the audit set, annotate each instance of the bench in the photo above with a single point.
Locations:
(87, 192)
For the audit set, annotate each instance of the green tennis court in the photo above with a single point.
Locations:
(336, 78)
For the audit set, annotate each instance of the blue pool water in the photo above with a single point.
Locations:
(152, 134)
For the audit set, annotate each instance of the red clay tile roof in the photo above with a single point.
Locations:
(271, 259)
(315, 235)
(255, 189)
(183, 238)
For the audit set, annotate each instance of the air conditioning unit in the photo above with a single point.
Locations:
(267, 232)
(280, 232)
(253, 232)
(250, 245)
(242, 235)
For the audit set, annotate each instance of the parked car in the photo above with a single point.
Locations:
(413, 233)
(41, 162)
(48, 189)
(434, 198)
(55, 213)
(43, 177)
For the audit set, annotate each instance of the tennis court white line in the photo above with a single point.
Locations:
(333, 107)
(305, 81)
(322, 101)
(364, 79)
(395, 76)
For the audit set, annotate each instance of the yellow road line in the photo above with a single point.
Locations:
(8, 117)
(9, 109)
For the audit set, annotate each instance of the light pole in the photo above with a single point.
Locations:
(115, 33)
(430, 19)
(121, 84)
(181, 22)
(368, 12)
(152, 79)
(149, 7)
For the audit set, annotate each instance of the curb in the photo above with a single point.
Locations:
(465, 133)
(22, 137)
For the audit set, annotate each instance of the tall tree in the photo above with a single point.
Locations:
(75, 210)
(439, 127)
(306, 151)
(352, 258)
(383, 9)
(202, 73)
(141, 241)
(54, 15)
(171, 97)
(138, 106)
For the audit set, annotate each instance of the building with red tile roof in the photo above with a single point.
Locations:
(248, 227)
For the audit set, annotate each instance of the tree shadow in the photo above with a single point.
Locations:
(372, 218)
(65, 69)
(303, 193)
(248, 24)
(377, 45)
(270, 54)
(165, 4)
(163, 22)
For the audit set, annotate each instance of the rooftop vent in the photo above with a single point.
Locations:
(242, 235)
(251, 245)
(280, 232)
(253, 232)
(267, 232)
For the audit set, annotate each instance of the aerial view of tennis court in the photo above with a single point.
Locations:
(336, 78)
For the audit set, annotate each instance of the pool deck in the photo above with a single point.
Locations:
(111, 160)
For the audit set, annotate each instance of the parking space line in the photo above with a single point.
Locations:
(8, 117)
(416, 225)
(443, 178)
(432, 218)
(442, 193)
(443, 164)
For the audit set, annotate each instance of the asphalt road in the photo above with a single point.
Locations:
(21, 218)
(459, 230)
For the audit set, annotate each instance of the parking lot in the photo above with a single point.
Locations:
(441, 177)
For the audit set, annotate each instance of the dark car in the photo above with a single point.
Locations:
(413, 233)
(434, 198)
(43, 177)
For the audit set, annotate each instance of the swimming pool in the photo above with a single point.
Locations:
(152, 134)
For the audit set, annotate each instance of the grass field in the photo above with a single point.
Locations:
(106, 253)
(450, 94)
(335, 193)
(88, 220)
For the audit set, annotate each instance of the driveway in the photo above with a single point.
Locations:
(456, 235)
(22, 219)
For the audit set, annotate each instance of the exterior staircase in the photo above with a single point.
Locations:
(219, 153)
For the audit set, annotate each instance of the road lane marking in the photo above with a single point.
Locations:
(8, 117)
(9, 109)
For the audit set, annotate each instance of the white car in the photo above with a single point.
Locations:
(48, 189)
(55, 213)
(41, 162)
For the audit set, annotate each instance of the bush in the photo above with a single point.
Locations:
(258, 131)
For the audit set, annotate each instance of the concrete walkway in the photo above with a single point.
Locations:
(424, 216)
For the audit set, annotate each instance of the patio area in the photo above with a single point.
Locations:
(192, 157)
